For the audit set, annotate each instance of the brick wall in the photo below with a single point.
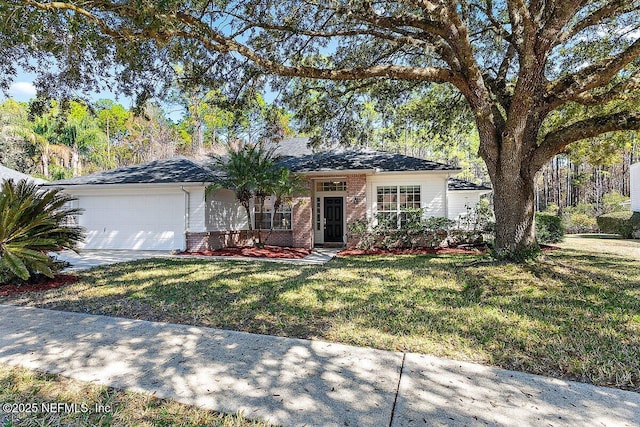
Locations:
(356, 202)
(210, 240)
(197, 242)
(302, 223)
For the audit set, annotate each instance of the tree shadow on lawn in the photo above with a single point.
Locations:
(234, 295)
(580, 323)
(578, 319)
(569, 316)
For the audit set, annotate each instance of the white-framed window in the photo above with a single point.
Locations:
(393, 202)
(331, 186)
(282, 218)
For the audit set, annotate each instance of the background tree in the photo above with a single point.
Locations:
(14, 147)
(515, 62)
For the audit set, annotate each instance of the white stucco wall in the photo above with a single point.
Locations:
(197, 209)
(635, 187)
(223, 212)
(433, 190)
(460, 199)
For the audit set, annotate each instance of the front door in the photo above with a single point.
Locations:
(333, 226)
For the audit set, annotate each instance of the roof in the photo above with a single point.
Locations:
(365, 159)
(296, 155)
(177, 169)
(460, 184)
(7, 174)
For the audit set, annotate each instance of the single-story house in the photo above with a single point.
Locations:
(164, 204)
(7, 174)
(634, 185)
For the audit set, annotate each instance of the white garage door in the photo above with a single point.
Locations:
(144, 222)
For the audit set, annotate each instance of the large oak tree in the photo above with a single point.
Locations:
(521, 65)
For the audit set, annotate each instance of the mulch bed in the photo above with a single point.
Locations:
(254, 252)
(417, 251)
(467, 250)
(42, 284)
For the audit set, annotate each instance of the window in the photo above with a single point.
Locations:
(395, 203)
(318, 213)
(331, 186)
(387, 204)
(281, 218)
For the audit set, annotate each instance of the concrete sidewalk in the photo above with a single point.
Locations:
(298, 382)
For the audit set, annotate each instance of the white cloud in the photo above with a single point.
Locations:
(21, 90)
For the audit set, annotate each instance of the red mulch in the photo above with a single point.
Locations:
(417, 251)
(479, 250)
(42, 284)
(254, 252)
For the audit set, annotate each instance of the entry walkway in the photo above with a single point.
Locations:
(298, 382)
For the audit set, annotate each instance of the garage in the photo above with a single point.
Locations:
(136, 221)
(140, 207)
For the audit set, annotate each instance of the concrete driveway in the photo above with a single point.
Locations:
(87, 259)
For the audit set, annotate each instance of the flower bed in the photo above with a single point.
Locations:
(278, 252)
(42, 284)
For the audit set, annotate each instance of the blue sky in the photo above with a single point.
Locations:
(23, 90)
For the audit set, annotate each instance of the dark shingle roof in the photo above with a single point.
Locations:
(178, 169)
(295, 155)
(461, 184)
(361, 160)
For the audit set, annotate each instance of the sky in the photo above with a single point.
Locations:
(23, 90)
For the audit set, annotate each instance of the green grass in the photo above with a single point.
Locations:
(20, 386)
(572, 314)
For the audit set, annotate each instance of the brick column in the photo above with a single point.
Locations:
(356, 201)
(302, 223)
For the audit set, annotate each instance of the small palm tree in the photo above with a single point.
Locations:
(248, 172)
(33, 223)
(284, 185)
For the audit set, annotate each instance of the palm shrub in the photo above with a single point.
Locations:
(33, 223)
(248, 171)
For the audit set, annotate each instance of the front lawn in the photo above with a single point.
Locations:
(572, 314)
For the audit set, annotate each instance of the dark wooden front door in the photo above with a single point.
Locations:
(333, 226)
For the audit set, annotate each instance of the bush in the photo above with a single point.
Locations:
(33, 224)
(625, 224)
(549, 228)
(580, 223)
(416, 232)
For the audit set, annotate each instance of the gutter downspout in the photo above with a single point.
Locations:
(187, 204)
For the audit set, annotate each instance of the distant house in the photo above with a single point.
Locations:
(6, 174)
(163, 204)
(634, 179)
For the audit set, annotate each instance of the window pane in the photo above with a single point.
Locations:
(331, 186)
(410, 197)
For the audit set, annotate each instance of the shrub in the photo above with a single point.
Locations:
(578, 222)
(32, 223)
(360, 229)
(625, 224)
(613, 202)
(416, 232)
(549, 228)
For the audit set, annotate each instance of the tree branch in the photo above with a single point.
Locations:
(596, 75)
(608, 10)
(554, 142)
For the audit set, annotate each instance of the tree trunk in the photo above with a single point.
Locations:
(247, 208)
(45, 165)
(513, 200)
